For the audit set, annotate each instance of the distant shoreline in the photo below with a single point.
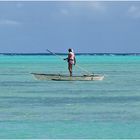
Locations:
(98, 54)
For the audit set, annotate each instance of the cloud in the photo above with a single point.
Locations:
(134, 11)
(19, 5)
(95, 5)
(64, 11)
(79, 7)
(9, 22)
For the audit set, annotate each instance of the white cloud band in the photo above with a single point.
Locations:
(8, 22)
(134, 11)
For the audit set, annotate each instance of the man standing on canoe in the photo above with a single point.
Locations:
(71, 60)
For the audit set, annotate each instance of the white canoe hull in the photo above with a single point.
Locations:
(58, 77)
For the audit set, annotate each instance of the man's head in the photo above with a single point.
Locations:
(70, 50)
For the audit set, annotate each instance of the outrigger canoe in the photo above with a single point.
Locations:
(59, 77)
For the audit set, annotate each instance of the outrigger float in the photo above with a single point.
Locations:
(60, 77)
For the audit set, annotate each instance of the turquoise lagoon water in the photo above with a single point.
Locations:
(49, 109)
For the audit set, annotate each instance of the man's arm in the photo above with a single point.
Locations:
(65, 59)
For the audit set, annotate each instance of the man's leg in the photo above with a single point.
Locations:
(70, 69)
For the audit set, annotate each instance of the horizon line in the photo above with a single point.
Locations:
(67, 53)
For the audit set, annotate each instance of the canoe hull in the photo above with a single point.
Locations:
(58, 77)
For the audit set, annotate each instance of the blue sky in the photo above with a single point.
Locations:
(90, 27)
